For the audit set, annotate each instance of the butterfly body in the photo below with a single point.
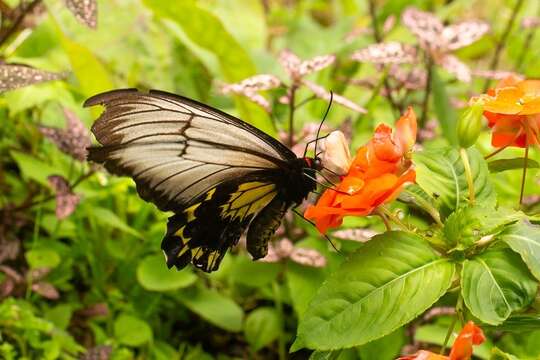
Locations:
(219, 175)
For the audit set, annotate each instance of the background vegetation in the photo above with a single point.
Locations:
(81, 273)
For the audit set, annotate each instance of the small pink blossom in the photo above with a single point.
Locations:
(386, 53)
(73, 140)
(285, 249)
(439, 40)
(66, 200)
(530, 22)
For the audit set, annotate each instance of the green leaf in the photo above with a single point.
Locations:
(59, 315)
(253, 273)
(214, 307)
(263, 326)
(386, 348)
(520, 323)
(303, 283)
(382, 286)
(499, 165)
(92, 75)
(441, 174)
(445, 111)
(498, 354)
(42, 258)
(153, 275)
(495, 284)
(203, 28)
(524, 238)
(469, 224)
(132, 331)
(109, 218)
(414, 194)
(33, 168)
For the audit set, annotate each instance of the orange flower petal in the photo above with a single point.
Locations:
(406, 129)
(424, 355)
(463, 346)
(506, 101)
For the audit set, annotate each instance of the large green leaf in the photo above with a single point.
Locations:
(152, 274)
(446, 114)
(386, 348)
(203, 28)
(441, 174)
(382, 286)
(214, 307)
(496, 283)
(524, 238)
(263, 325)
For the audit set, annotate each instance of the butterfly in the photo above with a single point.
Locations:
(220, 176)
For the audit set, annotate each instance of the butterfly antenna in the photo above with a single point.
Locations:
(324, 118)
(325, 236)
(320, 126)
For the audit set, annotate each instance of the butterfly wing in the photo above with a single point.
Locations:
(213, 170)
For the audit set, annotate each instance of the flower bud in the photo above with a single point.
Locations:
(469, 125)
(336, 156)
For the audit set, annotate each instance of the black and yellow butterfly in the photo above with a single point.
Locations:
(218, 174)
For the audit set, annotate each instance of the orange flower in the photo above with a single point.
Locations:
(463, 346)
(376, 176)
(461, 350)
(513, 112)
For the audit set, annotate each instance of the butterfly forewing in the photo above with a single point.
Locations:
(175, 148)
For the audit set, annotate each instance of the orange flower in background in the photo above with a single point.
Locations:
(376, 176)
(463, 346)
(461, 350)
(513, 112)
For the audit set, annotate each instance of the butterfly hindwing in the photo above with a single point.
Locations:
(204, 231)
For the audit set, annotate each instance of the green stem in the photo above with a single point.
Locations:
(292, 107)
(500, 44)
(523, 177)
(279, 308)
(387, 213)
(459, 306)
(468, 174)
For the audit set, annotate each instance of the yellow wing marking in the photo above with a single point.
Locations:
(248, 199)
(190, 212)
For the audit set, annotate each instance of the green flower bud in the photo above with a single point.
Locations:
(469, 125)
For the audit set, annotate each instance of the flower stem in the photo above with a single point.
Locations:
(459, 305)
(389, 215)
(495, 152)
(427, 91)
(468, 174)
(525, 161)
(279, 308)
(292, 107)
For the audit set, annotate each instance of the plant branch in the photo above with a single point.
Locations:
(523, 177)
(427, 91)
(379, 38)
(525, 48)
(502, 41)
(292, 108)
(6, 34)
